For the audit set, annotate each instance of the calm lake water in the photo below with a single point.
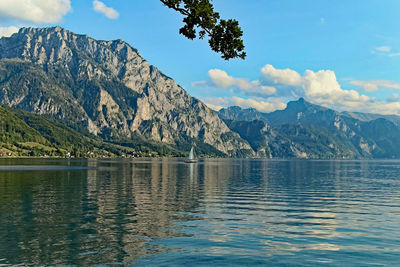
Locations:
(216, 212)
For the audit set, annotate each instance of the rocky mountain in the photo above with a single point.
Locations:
(107, 89)
(27, 134)
(293, 141)
(307, 130)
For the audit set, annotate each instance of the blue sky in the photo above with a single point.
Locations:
(341, 54)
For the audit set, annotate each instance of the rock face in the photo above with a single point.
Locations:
(105, 88)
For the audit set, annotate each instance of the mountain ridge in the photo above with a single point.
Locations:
(311, 131)
(107, 89)
(249, 114)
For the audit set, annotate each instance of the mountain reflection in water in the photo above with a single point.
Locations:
(218, 211)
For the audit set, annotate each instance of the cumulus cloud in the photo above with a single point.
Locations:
(37, 11)
(268, 105)
(221, 79)
(8, 31)
(272, 75)
(109, 12)
(319, 87)
(322, 87)
(375, 85)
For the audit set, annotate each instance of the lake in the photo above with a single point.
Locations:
(154, 212)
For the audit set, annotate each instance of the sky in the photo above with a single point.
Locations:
(340, 54)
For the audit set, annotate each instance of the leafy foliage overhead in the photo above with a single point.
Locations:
(225, 36)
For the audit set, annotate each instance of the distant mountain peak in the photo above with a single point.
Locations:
(296, 106)
(301, 105)
(300, 102)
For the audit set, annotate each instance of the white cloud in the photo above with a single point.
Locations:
(269, 105)
(319, 87)
(221, 79)
(37, 11)
(374, 85)
(383, 48)
(322, 21)
(320, 83)
(8, 31)
(105, 10)
(322, 87)
(280, 76)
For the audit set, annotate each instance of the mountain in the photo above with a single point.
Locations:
(370, 116)
(107, 89)
(291, 114)
(26, 134)
(236, 113)
(307, 130)
(292, 140)
(303, 112)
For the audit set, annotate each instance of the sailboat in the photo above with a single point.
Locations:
(191, 158)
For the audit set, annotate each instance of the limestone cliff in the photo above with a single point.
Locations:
(107, 88)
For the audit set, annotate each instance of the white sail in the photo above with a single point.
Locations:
(191, 154)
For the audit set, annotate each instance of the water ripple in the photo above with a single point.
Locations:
(217, 212)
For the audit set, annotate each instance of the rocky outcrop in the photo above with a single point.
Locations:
(106, 88)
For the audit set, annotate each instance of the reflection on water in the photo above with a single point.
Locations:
(227, 212)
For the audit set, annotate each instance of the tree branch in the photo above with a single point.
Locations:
(225, 36)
